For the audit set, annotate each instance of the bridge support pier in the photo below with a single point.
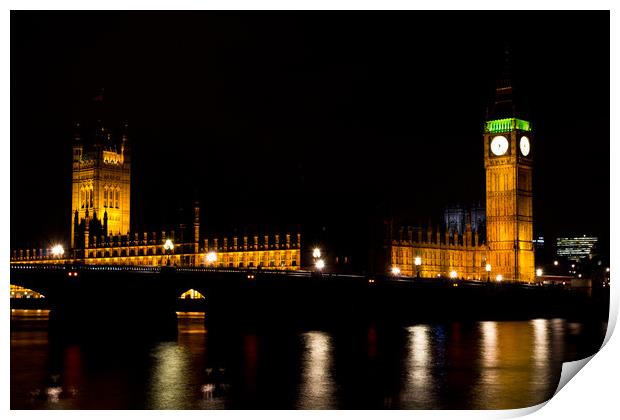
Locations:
(98, 305)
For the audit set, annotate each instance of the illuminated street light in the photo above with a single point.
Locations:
(418, 262)
(395, 271)
(168, 247)
(539, 272)
(607, 269)
(488, 268)
(453, 274)
(319, 264)
(555, 263)
(211, 257)
(499, 277)
(316, 253)
(58, 251)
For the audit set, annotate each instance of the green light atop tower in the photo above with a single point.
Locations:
(507, 124)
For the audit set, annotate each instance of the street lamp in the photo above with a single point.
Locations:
(555, 262)
(453, 274)
(539, 272)
(319, 264)
(499, 277)
(316, 253)
(58, 251)
(488, 268)
(418, 262)
(168, 247)
(211, 257)
(395, 271)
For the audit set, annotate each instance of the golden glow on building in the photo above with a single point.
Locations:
(509, 250)
(100, 230)
(270, 252)
(509, 208)
(101, 179)
(440, 255)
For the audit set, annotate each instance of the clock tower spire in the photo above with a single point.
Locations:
(503, 105)
(508, 164)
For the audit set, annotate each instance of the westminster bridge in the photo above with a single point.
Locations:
(143, 299)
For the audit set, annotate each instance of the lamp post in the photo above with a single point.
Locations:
(453, 274)
(488, 268)
(319, 263)
(499, 277)
(418, 262)
(395, 271)
(168, 247)
(58, 251)
(316, 253)
(211, 258)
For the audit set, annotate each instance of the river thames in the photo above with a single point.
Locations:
(447, 365)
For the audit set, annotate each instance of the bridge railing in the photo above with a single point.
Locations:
(150, 269)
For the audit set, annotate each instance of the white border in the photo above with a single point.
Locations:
(592, 394)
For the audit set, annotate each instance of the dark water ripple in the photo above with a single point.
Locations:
(449, 365)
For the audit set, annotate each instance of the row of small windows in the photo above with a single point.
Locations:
(405, 257)
(111, 197)
(150, 252)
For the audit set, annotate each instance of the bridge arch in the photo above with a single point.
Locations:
(21, 292)
(192, 294)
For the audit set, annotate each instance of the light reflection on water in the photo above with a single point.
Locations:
(488, 364)
(420, 384)
(316, 388)
(169, 386)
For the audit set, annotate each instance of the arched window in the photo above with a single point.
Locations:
(117, 198)
(105, 196)
(92, 198)
(82, 197)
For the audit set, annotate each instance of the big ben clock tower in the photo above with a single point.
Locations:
(508, 162)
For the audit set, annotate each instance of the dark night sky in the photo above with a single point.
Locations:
(287, 117)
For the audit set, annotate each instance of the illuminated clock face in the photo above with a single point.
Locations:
(499, 145)
(524, 145)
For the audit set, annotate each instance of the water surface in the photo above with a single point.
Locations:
(448, 365)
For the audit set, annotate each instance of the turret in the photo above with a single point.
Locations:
(105, 223)
(429, 233)
(197, 227)
(467, 238)
(78, 146)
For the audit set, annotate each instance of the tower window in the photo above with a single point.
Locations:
(117, 198)
(105, 197)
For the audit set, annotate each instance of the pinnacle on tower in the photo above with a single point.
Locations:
(503, 105)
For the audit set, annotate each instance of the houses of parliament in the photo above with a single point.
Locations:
(502, 247)
(499, 247)
(100, 220)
